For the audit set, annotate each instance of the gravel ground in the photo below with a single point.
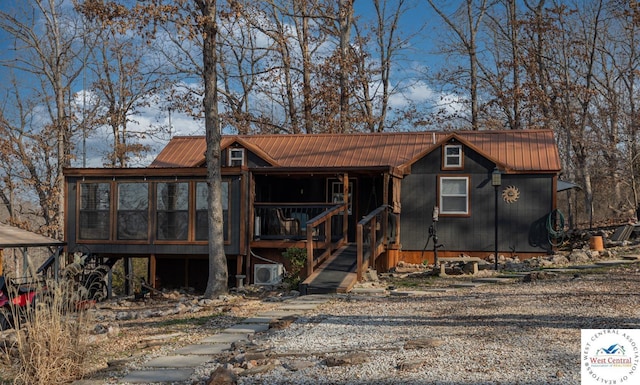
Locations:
(517, 333)
(507, 333)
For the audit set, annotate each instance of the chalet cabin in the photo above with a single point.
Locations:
(351, 200)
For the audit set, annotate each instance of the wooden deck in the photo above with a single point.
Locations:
(336, 275)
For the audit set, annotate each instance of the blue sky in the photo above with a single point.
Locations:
(413, 60)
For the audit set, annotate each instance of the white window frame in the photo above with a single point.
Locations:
(234, 158)
(442, 196)
(452, 161)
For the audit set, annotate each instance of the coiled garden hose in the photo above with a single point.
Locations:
(555, 228)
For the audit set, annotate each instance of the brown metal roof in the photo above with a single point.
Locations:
(11, 236)
(515, 150)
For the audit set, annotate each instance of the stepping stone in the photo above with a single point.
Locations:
(615, 262)
(586, 267)
(312, 298)
(302, 306)
(562, 270)
(362, 290)
(438, 290)
(153, 376)
(279, 314)
(203, 349)
(224, 338)
(467, 284)
(513, 275)
(406, 293)
(305, 300)
(177, 361)
(493, 280)
(247, 328)
(257, 320)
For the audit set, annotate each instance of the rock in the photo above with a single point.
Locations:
(423, 343)
(579, 256)
(538, 275)
(260, 369)
(282, 323)
(255, 356)
(347, 359)
(126, 315)
(411, 364)
(222, 376)
(371, 275)
(295, 366)
(559, 260)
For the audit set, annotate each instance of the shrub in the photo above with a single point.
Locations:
(297, 258)
(50, 344)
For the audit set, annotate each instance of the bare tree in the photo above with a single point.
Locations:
(195, 20)
(465, 24)
(45, 38)
(125, 80)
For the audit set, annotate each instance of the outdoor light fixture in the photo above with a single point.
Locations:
(496, 178)
(496, 181)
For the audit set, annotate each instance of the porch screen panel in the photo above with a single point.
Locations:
(172, 211)
(202, 226)
(133, 211)
(95, 204)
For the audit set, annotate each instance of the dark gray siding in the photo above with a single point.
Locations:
(521, 225)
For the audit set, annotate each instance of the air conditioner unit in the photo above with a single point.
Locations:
(267, 274)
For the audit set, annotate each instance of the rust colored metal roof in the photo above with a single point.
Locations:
(522, 150)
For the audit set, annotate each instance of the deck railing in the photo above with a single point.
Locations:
(373, 234)
(321, 247)
(280, 221)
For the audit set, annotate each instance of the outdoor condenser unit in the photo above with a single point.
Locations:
(267, 274)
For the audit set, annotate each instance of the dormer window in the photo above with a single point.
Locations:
(452, 156)
(236, 157)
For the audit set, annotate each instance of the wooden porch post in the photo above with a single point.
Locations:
(345, 192)
(359, 248)
(309, 250)
(152, 271)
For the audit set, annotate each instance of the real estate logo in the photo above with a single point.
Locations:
(610, 356)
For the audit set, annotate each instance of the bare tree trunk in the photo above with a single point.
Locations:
(302, 27)
(345, 22)
(218, 274)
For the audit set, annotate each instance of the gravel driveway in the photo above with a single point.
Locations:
(515, 333)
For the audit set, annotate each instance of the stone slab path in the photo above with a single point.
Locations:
(181, 365)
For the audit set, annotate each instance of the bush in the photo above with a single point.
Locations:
(297, 258)
(50, 345)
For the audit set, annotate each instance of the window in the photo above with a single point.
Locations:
(452, 156)
(236, 157)
(202, 225)
(95, 203)
(172, 211)
(133, 211)
(454, 195)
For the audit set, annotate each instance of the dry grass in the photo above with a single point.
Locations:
(50, 344)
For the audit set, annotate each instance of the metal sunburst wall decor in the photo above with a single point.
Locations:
(510, 194)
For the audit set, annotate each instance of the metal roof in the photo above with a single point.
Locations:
(513, 150)
(11, 236)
